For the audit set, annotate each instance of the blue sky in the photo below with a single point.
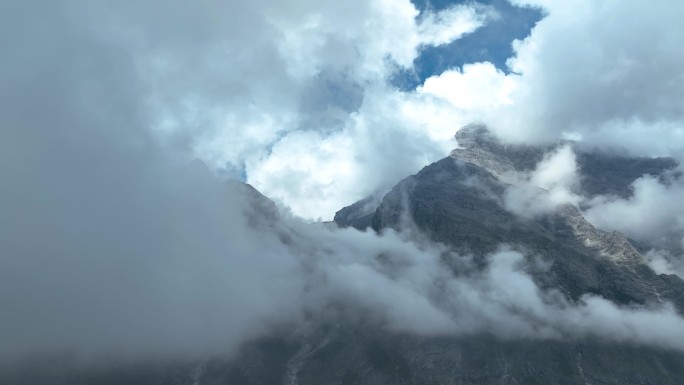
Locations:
(491, 42)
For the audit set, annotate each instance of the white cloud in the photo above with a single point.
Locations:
(557, 169)
(552, 183)
(317, 72)
(304, 170)
(107, 246)
(653, 216)
(244, 76)
(664, 262)
(323, 67)
(478, 87)
(450, 24)
(597, 68)
(583, 74)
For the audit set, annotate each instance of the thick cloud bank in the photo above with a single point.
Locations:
(607, 73)
(292, 96)
(115, 248)
(552, 183)
(654, 216)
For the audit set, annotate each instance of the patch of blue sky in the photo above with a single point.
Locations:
(492, 42)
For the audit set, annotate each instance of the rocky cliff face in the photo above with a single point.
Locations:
(459, 202)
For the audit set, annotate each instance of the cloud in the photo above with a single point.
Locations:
(295, 72)
(552, 183)
(241, 78)
(110, 246)
(305, 164)
(582, 71)
(477, 86)
(403, 281)
(107, 244)
(583, 75)
(649, 215)
(653, 216)
(391, 136)
(439, 28)
(665, 262)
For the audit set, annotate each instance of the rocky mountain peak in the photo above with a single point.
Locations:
(459, 201)
(600, 173)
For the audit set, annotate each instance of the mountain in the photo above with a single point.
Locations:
(458, 202)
